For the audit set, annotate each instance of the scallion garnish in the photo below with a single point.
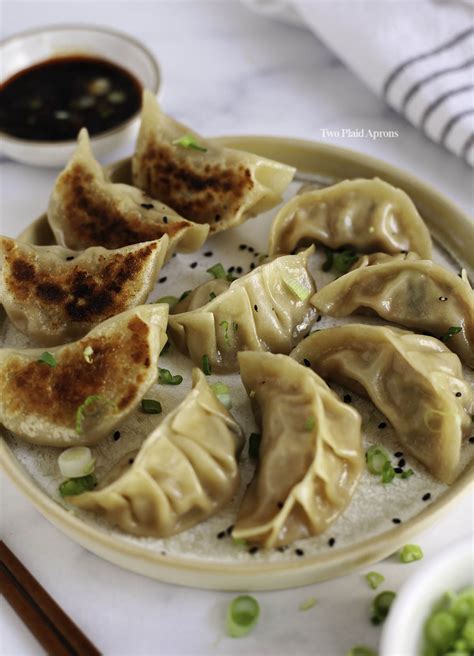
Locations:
(170, 300)
(308, 603)
(48, 358)
(454, 330)
(377, 457)
(406, 474)
(297, 288)
(235, 326)
(343, 261)
(327, 264)
(381, 605)
(206, 365)
(188, 141)
(165, 377)
(212, 296)
(217, 271)
(184, 294)
(242, 615)
(88, 352)
(74, 486)
(165, 348)
(388, 473)
(254, 445)
(90, 408)
(225, 326)
(310, 423)
(222, 392)
(151, 407)
(374, 579)
(409, 553)
(239, 542)
(361, 650)
(76, 462)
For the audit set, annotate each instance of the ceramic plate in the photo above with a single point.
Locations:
(366, 532)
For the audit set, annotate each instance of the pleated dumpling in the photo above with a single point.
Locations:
(414, 380)
(201, 295)
(76, 394)
(184, 472)
(86, 209)
(367, 215)
(384, 258)
(310, 455)
(267, 309)
(415, 294)
(202, 181)
(54, 295)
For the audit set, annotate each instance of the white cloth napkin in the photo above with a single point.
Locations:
(417, 54)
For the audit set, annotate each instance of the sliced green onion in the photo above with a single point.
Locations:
(222, 392)
(406, 474)
(225, 325)
(297, 288)
(374, 579)
(170, 300)
(188, 141)
(344, 260)
(151, 407)
(239, 542)
(381, 605)
(361, 650)
(235, 326)
(88, 352)
(74, 486)
(376, 457)
(165, 348)
(165, 377)
(217, 271)
(308, 603)
(310, 423)
(48, 358)
(76, 462)
(206, 366)
(91, 408)
(440, 630)
(327, 264)
(212, 296)
(454, 330)
(410, 552)
(242, 615)
(462, 605)
(254, 445)
(388, 473)
(184, 294)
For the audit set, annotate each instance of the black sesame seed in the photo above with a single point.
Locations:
(443, 298)
(116, 435)
(299, 552)
(229, 529)
(221, 535)
(208, 254)
(404, 252)
(147, 206)
(131, 461)
(193, 265)
(401, 462)
(471, 440)
(255, 307)
(347, 398)
(217, 217)
(231, 269)
(458, 394)
(253, 550)
(242, 247)
(398, 454)
(239, 269)
(426, 496)
(164, 279)
(306, 363)
(319, 317)
(250, 249)
(395, 520)
(331, 542)
(165, 219)
(382, 424)
(281, 549)
(252, 266)
(70, 257)
(256, 254)
(398, 470)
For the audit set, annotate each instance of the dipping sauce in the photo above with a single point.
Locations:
(53, 100)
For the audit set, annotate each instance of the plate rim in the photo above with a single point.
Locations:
(237, 576)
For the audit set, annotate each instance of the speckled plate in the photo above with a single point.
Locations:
(366, 532)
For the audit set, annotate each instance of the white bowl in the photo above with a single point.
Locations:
(450, 570)
(23, 50)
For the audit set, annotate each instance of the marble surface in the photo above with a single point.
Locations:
(225, 71)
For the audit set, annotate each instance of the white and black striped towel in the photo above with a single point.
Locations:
(417, 54)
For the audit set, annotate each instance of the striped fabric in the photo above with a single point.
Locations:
(417, 54)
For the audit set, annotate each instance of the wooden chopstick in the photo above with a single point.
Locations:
(56, 632)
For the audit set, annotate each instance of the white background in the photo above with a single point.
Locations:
(225, 71)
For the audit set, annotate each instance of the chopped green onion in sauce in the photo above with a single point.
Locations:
(91, 407)
(381, 606)
(165, 377)
(48, 358)
(376, 457)
(189, 141)
(151, 407)
(409, 553)
(74, 486)
(374, 579)
(242, 615)
(206, 365)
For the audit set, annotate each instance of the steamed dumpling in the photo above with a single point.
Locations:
(202, 181)
(416, 294)
(310, 455)
(384, 258)
(184, 472)
(85, 209)
(267, 309)
(90, 386)
(368, 215)
(414, 380)
(201, 295)
(54, 295)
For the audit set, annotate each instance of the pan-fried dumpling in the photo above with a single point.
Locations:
(416, 294)
(201, 295)
(85, 209)
(199, 179)
(384, 258)
(77, 393)
(414, 380)
(184, 472)
(310, 455)
(369, 215)
(267, 309)
(54, 295)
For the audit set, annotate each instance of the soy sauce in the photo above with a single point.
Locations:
(53, 100)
